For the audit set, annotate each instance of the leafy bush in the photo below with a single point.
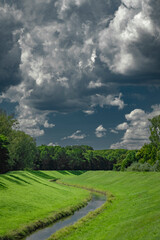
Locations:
(117, 167)
(144, 167)
(4, 154)
(129, 159)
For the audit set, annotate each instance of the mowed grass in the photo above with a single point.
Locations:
(29, 196)
(134, 214)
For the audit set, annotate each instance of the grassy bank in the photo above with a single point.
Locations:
(134, 214)
(32, 198)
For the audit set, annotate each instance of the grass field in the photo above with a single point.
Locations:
(29, 196)
(133, 215)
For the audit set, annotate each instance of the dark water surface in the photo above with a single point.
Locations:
(96, 201)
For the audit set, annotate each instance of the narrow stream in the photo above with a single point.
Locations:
(96, 201)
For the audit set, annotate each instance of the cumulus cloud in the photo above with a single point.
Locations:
(100, 131)
(48, 125)
(137, 128)
(50, 48)
(31, 121)
(122, 126)
(131, 42)
(110, 100)
(63, 56)
(96, 84)
(135, 115)
(76, 136)
(114, 131)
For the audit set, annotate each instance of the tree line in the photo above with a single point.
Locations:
(18, 151)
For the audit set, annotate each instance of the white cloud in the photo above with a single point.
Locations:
(58, 58)
(137, 129)
(54, 52)
(34, 132)
(110, 100)
(131, 145)
(126, 45)
(122, 126)
(96, 84)
(89, 112)
(63, 82)
(53, 144)
(76, 135)
(48, 125)
(100, 131)
(114, 131)
(135, 115)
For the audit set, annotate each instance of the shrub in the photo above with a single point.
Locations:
(144, 167)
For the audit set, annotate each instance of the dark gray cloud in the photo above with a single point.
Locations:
(69, 55)
(10, 54)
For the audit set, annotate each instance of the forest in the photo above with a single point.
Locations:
(18, 151)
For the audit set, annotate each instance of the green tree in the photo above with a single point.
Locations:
(45, 158)
(4, 154)
(75, 157)
(61, 158)
(155, 131)
(129, 159)
(147, 153)
(7, 122)
(22, 150)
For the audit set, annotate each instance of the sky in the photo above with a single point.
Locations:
(79, 72)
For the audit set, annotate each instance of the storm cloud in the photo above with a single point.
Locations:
(64, 56)
(10, 53)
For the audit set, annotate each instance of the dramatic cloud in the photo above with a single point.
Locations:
(76, 135)
(137, 128)
(66, 55)
(100, 131)
(131, 42)
(10, 54)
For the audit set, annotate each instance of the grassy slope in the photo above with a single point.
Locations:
(26, 197)
(133, 215)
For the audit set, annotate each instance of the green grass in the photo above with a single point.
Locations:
(30, 196)
(134, 214)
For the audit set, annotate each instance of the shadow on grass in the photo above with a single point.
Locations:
(35, 177)
(78, 172)
(64, 172)
(40, 174)
(2, 186)
(74, 172)
(18, 178)
(10, 179)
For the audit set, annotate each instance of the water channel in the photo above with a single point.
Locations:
(96, 201)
